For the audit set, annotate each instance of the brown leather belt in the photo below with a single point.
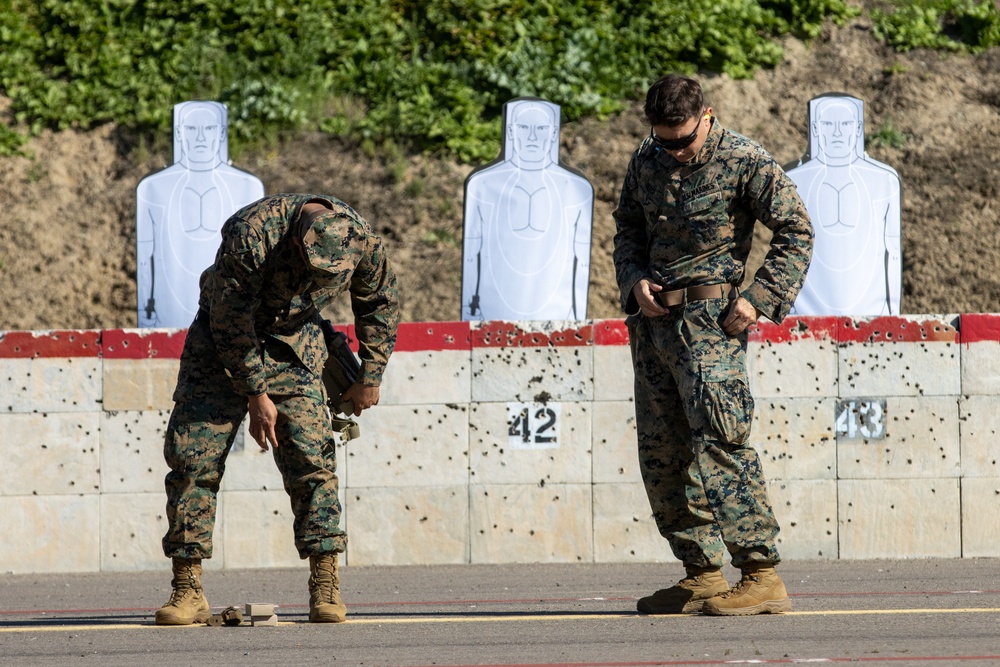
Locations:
(676, 297)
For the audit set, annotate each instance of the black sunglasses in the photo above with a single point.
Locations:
(676, 144)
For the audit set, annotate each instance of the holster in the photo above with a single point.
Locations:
(341, 370)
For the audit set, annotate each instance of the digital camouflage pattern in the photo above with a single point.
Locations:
(692, 223)
(693, 414)
(259, 331)
(199, 438)
(684, 224)
(260, 287)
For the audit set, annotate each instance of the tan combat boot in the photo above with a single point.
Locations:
(187, 603)
(760, 591)
(325, 605)
(687, 595)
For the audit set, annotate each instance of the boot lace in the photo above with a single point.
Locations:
(184, 584)
(742, 586)
(323, 581)
(694, 579)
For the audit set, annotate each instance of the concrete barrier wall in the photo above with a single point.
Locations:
(515, 442)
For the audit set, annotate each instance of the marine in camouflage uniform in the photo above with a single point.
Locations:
(257, 342)
(685, 223)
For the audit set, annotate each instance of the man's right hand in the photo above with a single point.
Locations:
(361, 396)
(644, 292)
(263, 417)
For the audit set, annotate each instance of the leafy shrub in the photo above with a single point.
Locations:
(887, 135)
(10, 141)
(949, 25)
(430, 73)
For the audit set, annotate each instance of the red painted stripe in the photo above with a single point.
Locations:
(49, 344)
(142, 343)
(433, 336)
(610, 332)
(796, 329)
(979, 327)
(896, 330)
(510, 334)
(436, 336)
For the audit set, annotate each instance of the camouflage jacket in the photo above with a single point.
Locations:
(682, 224)
(260, 288)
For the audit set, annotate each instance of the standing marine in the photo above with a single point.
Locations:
(685, 220)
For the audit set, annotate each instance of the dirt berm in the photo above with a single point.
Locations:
(67, 236)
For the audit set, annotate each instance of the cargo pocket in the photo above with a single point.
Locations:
(727, 403)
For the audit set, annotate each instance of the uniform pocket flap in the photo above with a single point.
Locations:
(719, 373)
(727, 403)
(701, 203)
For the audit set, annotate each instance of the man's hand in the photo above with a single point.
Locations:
(362, 396)
(644, 292)
(263, 417)
(741, 314)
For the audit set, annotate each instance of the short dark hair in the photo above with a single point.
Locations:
(672, 100)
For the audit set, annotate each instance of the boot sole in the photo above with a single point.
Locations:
(648, 605)
(170, 619)
(769, 607)
(328, 613)
(326, 618)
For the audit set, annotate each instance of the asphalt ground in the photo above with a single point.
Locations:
(916, 612)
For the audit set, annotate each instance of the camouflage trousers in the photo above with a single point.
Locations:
(693, 415)
(200, 436)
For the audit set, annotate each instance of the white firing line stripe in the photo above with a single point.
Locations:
(571, 617)
(859, 612)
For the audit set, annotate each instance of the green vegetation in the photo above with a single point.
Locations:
(896, 68)
(887, 135)
(10, 141)
(438, 237)
(427, 74)
(947, 25)
(37, 171)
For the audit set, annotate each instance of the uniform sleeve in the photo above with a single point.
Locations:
(375, 302)
(235, 300)
(774, 200)
(631, 255)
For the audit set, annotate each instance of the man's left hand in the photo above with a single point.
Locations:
(741, 314)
